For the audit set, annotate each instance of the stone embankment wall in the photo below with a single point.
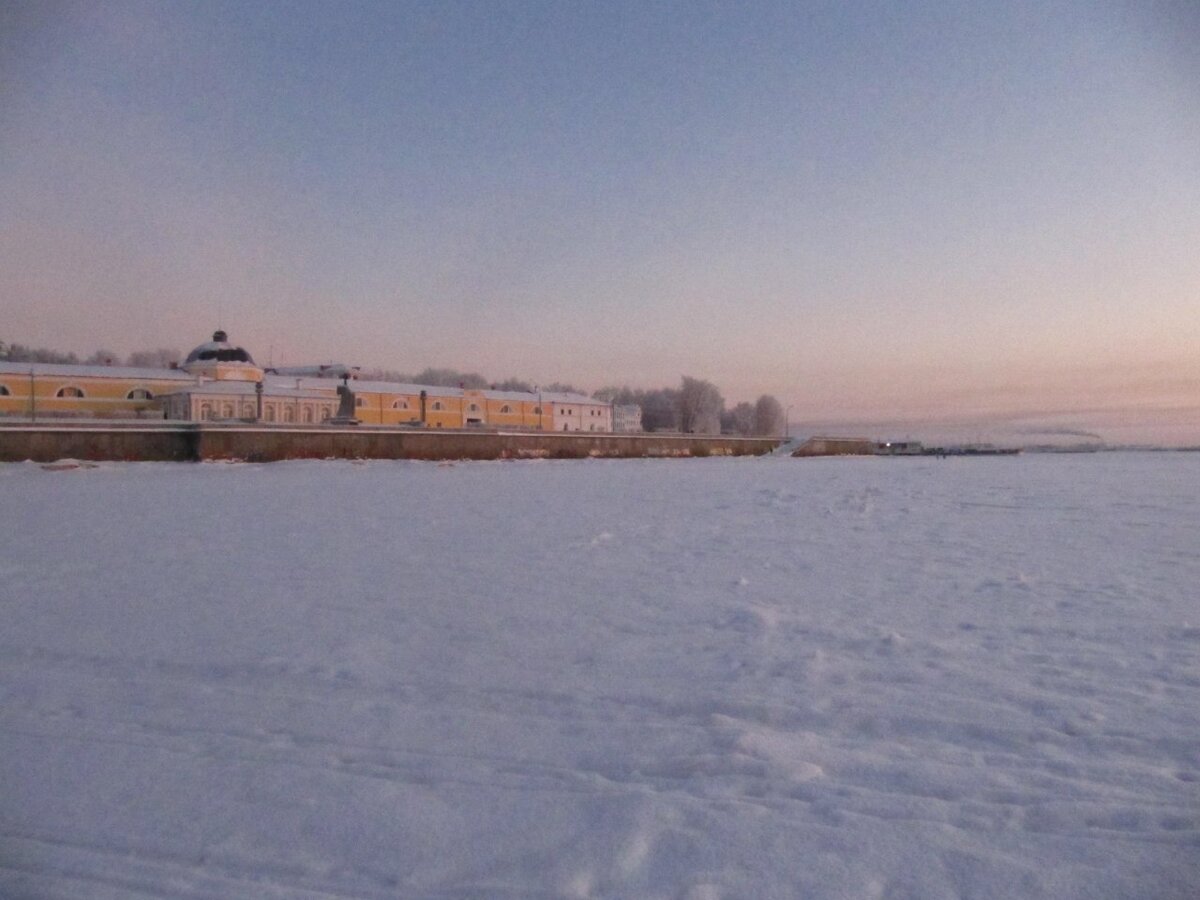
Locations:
(259, 443)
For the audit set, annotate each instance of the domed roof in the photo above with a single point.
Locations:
(219, 350)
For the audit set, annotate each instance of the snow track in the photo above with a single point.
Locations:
(680, 679)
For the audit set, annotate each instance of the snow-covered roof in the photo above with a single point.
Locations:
(68, 370)
(219, 350)
(392, 387)
(285, 387)
(571, 398)
(510, 395)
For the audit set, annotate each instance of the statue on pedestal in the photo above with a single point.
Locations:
(346, 405)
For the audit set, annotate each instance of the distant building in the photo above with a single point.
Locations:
(627, 418)
(219, 381)
(577, 412)
(836, 446)
(900, 448)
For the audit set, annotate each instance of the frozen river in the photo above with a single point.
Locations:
(695, 679)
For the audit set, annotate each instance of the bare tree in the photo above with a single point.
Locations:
(103, 357)
(449, 378)
(700, 405)
(22, 353)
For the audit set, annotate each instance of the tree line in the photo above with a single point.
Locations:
(159, 358)
(695, 407)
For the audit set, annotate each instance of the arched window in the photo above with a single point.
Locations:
(4, 391)
(206, 411)
(325, 413)
(289, 414)
(360, 402)
(69, 392)
(308, 415)
(400, 404)
(473, 408)
(269, 412)
(506, 408)
(247, 410)
(437, 406)
(139, 394)
(537, 410)
(227, 411)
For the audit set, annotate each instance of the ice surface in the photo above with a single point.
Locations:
(695, 679)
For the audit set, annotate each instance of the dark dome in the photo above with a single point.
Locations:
(218, 350)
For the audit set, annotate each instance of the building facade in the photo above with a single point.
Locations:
(219, 381)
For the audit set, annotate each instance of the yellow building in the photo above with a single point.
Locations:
(219, 381)
(54, 391)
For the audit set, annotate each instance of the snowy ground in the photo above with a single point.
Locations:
(697, 679)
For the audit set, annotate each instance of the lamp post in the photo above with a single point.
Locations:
(785, 422)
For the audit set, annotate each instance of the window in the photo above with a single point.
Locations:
(227, 411)
(308, 415)
(506, 408)
(473, 408)
(69, 392)
(247, 410)
(360, 402)
(289, 414)
(537, 410)
(139, 394)
(437, 406)
(400, 404)
(269, 412)
(325, 413)
(4, 391)
(206, 411)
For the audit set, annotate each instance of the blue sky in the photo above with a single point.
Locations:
(879, 212)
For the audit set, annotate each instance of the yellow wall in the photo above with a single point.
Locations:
(380, 408)
(103, 397)
(521, 414)
(106, 397)
(450, 416)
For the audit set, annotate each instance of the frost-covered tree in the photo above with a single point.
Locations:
(660, 409)
(768, 416)
(739, 420)
(700, 406)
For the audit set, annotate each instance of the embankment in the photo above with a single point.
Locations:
(193, 442)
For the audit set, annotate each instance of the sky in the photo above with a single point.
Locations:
(890, 216)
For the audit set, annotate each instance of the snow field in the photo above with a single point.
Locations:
(696, 679)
